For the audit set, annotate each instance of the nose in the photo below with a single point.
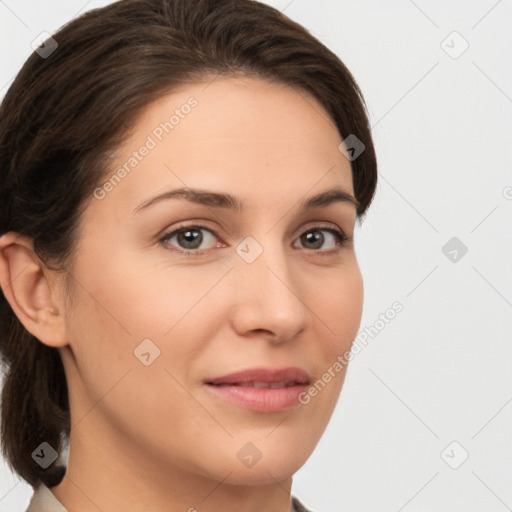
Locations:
(268, 297)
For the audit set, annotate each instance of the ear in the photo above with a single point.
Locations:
(30, 288)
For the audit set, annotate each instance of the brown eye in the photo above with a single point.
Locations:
(190, 238)
(315, 239)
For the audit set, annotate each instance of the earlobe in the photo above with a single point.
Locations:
(26, 285)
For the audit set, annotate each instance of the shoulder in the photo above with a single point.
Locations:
(43, 500)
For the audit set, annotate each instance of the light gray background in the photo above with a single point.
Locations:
(441, 370)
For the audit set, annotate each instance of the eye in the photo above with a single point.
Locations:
(314, 239)
(189, 239)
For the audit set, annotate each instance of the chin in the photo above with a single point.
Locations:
(244, 464)
(274, 465)
(263, 475)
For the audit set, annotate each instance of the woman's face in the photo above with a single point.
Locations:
(157, 314)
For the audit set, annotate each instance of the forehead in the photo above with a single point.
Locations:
(240, 134)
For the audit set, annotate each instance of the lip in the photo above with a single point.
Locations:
(238, 388)
(291, 373)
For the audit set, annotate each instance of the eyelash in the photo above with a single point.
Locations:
(341, 239)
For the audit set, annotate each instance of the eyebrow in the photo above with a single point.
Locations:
(229, 202)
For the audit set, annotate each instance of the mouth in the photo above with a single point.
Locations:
(277, 376)
(261, 389)
(259, 384)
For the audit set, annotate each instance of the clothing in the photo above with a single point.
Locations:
(44, 500)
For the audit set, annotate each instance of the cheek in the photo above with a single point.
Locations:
(339, 305)
(141, 299)
(337, 310)
(109, 320)
(125, 301)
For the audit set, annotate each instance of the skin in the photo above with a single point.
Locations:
(153, 437)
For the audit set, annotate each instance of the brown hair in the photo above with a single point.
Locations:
(65, 114)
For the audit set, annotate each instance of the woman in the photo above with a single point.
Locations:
(180, 186)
